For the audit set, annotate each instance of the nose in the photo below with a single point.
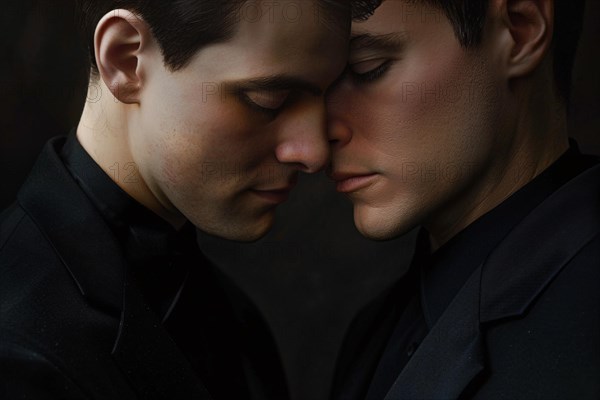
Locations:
(339, 131)
(304, 139)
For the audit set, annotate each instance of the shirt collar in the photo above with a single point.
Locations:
(444, 272)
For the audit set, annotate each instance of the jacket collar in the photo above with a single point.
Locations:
(446, 270)
(82, 240)
(518, 270)
(73, 226)
(450, 356)
(505, 285)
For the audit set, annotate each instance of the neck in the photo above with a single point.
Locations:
(103, 132)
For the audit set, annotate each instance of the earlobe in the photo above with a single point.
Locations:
(530, 23)
(119, 38)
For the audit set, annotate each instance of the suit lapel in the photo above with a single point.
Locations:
(73, 226)
(504, 286)
(520, 268)
(451, 355)
(154, 365)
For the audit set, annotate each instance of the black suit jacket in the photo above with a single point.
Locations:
(526, 324)
(73, 324)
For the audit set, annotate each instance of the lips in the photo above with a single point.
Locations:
(348, 182)
(275, 193)
(273, 196)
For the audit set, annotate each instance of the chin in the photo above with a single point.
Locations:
(374, 231)
(243, 231)
(380, 225)
(250, 235)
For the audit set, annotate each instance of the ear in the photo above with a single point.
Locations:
(530, 25)
(120, 38)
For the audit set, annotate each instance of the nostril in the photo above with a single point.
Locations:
(306, 154)
(300, 167)
(338, 132)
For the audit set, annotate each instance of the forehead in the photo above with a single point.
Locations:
(293, 29)
(401, 16)
(283, 36)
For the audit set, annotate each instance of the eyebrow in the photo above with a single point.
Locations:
(387, 42)
(276, 82)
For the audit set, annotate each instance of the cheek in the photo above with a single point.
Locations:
(204, 137)
(392, 127)
(426, 129)
(177, 163)
(213, 159)
(202, 115)
(434, 114)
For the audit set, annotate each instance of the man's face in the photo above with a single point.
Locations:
(222, 140)
(414, 122)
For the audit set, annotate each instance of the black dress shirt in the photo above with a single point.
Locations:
(226, 343)
(437, 277)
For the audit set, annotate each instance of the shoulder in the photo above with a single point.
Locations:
(553, 348)
(28, 262)
(48, 327)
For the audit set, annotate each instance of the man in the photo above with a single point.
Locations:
(452, 116)
(198, 114)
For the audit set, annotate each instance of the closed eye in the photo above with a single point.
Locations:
(268, 101)
(369, 71)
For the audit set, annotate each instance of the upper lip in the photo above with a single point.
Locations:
(341, 176)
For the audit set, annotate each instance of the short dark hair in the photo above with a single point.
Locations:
(182, 27)
(468, 19)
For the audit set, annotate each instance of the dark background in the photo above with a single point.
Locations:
(313, 271)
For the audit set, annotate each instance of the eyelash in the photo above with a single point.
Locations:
(272, 112)
(373, 74)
